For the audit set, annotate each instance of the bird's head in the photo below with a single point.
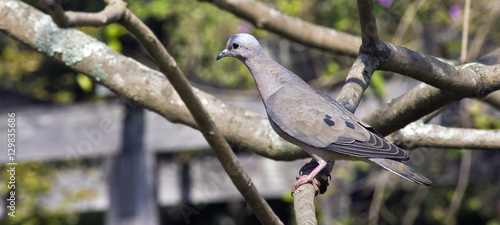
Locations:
(241, 46)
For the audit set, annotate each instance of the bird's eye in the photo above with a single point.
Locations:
(236, 45)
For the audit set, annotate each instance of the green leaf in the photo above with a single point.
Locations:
(84, 83)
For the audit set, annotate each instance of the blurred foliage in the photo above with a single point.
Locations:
(195, 33)
(32, 180)
(36, 179)
(378, 83)
(481, 119)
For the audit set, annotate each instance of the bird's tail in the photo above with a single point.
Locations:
(402, 170)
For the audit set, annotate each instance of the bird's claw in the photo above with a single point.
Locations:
(304, 180)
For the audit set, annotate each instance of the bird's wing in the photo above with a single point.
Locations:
(319, 121)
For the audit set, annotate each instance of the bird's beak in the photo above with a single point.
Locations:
(222, 54)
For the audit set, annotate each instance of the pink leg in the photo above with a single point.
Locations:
(310, 177)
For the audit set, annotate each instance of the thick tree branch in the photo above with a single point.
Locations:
(418, 134)
(295, 29)
(475, 79)
(424, 99)
(409, 107)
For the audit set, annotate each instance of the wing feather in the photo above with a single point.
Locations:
(319, 121)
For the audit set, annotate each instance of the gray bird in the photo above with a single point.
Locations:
(314, 121)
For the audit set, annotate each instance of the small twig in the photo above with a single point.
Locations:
(431, 115)
(415, 204)
(465, 167)
(112, 13)
(378, 196)
(458, 194)
(369, 34)
(483, 31)
(406, 20)
(465, 32)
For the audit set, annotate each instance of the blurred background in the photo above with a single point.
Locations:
(88, 156)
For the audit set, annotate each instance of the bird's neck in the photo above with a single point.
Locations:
(268, 74)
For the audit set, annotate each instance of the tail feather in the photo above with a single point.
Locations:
(402, 170)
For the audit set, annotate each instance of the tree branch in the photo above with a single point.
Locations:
(204, 121)
(112, 13)
(303, 201)
(465, 32)
(458, 194)
(425, 99)
(493, 99)
(418, 134)
(262, 16)
(484, 29)
(475, 79)
(369, 34)
(409, 107)
(357, 82)
(415, 205)
(368, 60)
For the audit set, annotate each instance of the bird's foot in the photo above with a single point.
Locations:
(313, 173)
(304, 180)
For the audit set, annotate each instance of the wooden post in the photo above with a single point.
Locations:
(132, 186)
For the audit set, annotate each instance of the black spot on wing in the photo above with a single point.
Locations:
(328, 121)
(350, 125)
